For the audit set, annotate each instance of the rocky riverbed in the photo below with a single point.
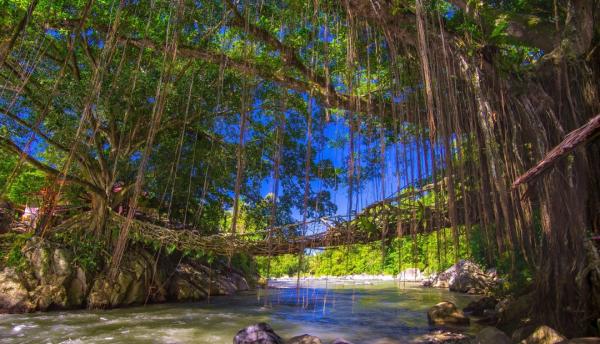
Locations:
(263, 333)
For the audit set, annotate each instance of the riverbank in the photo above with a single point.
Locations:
(408, 275)
(464, 276)
(285, 280)
(42, 275)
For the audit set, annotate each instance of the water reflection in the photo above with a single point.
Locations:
(362, 313)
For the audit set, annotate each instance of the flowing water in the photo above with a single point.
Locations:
(378, 312)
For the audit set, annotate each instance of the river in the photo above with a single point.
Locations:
(377, 312)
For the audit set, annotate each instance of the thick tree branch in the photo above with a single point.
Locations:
(37, 131)
(8, 144)
(245, 67)
(80, 158)
(289, 55)
(461, 4)
(334, 100)
(324, 88)
(526, 29)
(6, 48)
(573, 140)
(522, 28)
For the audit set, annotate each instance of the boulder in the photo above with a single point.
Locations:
(512, 312)
(50, 296)
(470, 278)
(445, 313)
(61, 262)
(429, 280)
(40, 282)
(489, 317)
(442, 280)
(260, 333)
(190, 282)
(340, 341)
(304, 339)
(14, 296)
(196, 281)
(465, 277)
(222, 285)
(478, 307)
(492, 273)
(239, 281)
(101, 295)
(37, 254)
(131, 285)
(181, 289)
(490, 335)
(544, 335)
(77, 288)
(444, 337)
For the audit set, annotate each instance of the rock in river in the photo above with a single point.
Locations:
(544, 335)
(340, 341)
(465, 277)
(444, 337)
(446, 313)
(260, 333)
(304, 339)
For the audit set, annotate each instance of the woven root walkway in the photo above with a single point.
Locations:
(375, 223)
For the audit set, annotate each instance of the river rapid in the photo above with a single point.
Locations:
(358, 311)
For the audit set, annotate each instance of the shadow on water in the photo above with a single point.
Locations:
(359, 313)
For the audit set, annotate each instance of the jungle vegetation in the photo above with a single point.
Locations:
(186, 114)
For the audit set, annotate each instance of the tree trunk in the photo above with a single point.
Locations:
(99, 214)
(563, 303)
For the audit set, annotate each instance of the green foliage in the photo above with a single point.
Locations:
(14, 257)
(245, 264)
(171, 248)
(89, 253)
(284, 265)
(401, 253)
(349, 260)
(25, 183)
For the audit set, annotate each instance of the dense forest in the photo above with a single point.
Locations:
(418, 132)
